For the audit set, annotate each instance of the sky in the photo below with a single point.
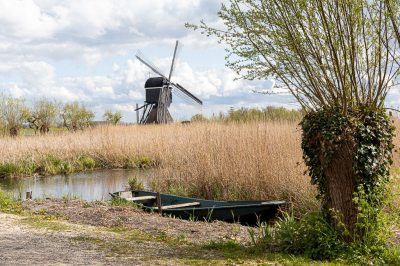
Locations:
(85, 50)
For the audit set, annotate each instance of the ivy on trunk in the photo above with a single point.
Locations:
(344, 153)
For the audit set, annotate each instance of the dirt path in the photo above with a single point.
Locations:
(22, 245)
(29, 240)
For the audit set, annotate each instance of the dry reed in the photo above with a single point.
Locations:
(235, 161)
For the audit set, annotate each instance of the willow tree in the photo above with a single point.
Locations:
(77, 116)
(13, 112)
(338, 59)
(44, 112)
(111, 117)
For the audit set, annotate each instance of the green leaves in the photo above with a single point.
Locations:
(44, 113)
(325, 53)
(13, 113)
(76, 116)
(111, 117)
(309, 235)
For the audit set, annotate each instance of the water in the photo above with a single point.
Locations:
(90, 186)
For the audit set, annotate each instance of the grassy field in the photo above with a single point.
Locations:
(212, 160)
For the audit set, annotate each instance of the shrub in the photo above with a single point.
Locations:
(310, 235)
(134, 183)
(87, 163)
(142, 162)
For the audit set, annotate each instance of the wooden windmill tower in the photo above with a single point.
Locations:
(159, 92)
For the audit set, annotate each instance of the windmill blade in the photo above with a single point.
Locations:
(188, 100)
(188, 94)
(185, 95)
(147, 62)
(178, 49)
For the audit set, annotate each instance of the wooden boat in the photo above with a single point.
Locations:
(246, 212)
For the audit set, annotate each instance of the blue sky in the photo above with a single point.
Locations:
(85, 50)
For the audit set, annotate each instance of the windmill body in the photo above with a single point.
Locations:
(159, 93)
(154, 87)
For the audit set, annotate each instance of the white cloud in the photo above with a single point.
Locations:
(125, 107)
(116, 67)
(135, 72)
(89, 31)
(135, 95)
(25, 21)
(34, 73)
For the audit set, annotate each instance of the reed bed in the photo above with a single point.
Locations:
(212, 160)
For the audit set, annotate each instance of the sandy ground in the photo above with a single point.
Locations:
(22, 245)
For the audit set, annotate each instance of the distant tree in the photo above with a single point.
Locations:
(13, 112)
(198, 118)
(111, 117)
(44, 113)
(76, 116)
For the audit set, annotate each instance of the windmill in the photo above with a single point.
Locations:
(159, 92)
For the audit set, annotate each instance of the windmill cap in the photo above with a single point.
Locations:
(156, 82)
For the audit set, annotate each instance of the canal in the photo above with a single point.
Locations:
(90, 186)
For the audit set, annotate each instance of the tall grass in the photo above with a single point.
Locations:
(212, 160)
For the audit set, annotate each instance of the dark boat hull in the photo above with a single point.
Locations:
(245, 212)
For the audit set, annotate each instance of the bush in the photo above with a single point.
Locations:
(87, 163)
(310, 235)
(142, 162)
(134, 183)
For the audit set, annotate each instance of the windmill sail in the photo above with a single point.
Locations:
(185, 95)
(140, 56)
(178, 49)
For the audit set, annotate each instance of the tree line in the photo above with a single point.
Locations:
(43, 113)
(269, 113)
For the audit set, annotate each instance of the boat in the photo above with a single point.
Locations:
(244, 212)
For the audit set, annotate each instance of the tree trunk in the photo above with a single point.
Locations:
(14, 132)
(344, 153)
(341, 182)
(44, 129)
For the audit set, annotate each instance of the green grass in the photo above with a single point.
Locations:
(236, 253)
(72, 196)
(121, 202)
(37, 221)
(47, 165)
